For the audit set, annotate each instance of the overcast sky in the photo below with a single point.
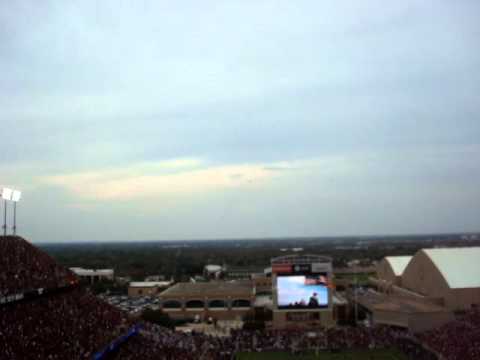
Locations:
(142, 120)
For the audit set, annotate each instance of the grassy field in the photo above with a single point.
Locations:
(344, 355)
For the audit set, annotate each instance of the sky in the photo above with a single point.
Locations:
(166, 120)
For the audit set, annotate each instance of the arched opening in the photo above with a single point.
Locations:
(240, 303)
(172, 304)
(195, 304)
(216, 304)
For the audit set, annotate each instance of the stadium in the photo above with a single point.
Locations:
(46, 313)
(240, 180)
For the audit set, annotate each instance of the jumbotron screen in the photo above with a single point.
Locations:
(302, 291)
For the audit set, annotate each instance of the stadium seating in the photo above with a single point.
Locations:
(23, 267)
(68, 325)
(68, 322)
(457, 340)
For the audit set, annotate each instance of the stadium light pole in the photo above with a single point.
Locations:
(5, 218)
(16, 196)
(356, 297)
(6, 196)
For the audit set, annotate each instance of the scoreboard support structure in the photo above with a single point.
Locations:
(302, 292)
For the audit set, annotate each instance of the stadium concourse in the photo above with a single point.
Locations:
(46, 314)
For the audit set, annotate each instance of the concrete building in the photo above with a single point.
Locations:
(262, 284)
(220, 300)
(92, 275)
(242, 272)
(212, 271)
(448, 276)
(413, 313)
(422, 292)
(146, 288)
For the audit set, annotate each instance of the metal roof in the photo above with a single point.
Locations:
(398, 263)
(459, 266)
(92, 272)
(149, 283)
(213, 268)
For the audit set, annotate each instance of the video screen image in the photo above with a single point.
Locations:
(302, 292)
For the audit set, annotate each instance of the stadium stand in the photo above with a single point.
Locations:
(51, 317)
(65, 321)
(23, 268)
(68, 325)
(459, 339)
(158, 342)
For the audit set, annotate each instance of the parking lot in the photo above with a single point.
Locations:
(132, 305)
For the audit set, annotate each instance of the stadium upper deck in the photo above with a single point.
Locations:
(24, 267)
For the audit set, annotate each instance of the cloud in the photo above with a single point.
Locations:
(165, 178)
(294, 122)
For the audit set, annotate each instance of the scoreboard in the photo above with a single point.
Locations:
(293, 269)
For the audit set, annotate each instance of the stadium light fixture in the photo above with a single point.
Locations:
(6, 196)
(16, 196)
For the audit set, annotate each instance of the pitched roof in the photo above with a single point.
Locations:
(398, 263)
(459, 266)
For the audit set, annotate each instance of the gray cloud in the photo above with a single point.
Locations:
(392, 91)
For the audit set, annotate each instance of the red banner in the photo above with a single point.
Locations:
(282, 269)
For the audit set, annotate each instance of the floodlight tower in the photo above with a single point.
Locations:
(16, 196)
(6, 196)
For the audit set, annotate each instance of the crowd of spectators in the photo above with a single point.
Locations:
(457, 340)
(23, 267)
(160, 343)
(72, 324)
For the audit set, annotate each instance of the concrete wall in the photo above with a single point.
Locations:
(462, 299)
(142, 291)
(428, 321)
(390, 318)
(415, 322)
(281, 321)
(229, 312)
(204, 314)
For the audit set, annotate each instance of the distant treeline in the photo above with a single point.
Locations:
(185, 259)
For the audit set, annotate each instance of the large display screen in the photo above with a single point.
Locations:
(302, 291)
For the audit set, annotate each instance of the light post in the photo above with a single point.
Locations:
(6, 196)
(16, 196)
(356, 297)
